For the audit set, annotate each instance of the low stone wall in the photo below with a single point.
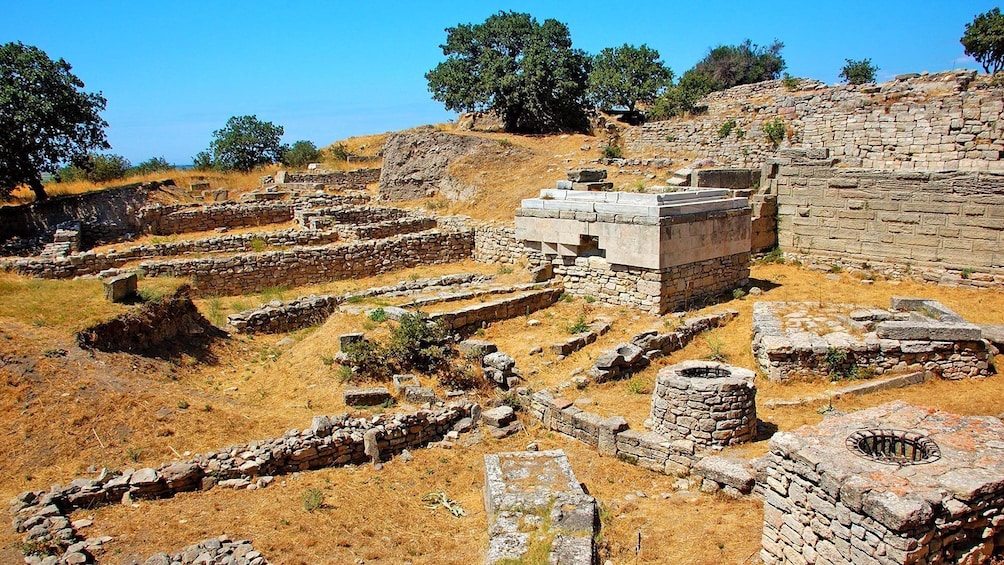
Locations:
(310, 265)
(279, 317)
(106, 215)
(184, 218)
(494, 243)
(328, 216)
(329, 441)
(91, 263)
(150, 327)
(389, 228)
(635, 355)
(951, 349)
(505, 309)
(357, 179)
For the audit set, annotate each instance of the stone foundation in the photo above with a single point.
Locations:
(532, 498)
(888, 485)
(473, 317)
(814, 341)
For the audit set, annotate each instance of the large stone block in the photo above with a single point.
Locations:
(366, 396)
(122, 287)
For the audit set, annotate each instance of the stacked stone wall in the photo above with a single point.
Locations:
(934, 225)
(106, 215)
(329, 441)
(90, 263)
(357, 179)
(504, 309)
(674, 288)
(948, 121)
(183, 218)
(495, 243)
(310, 265)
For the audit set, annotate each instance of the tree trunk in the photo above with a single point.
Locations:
(36, 186)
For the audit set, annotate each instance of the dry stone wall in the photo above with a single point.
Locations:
(949, 121)
(309, 265)
(354, 180)
(91, 263)
(938, 225)
(42, 516)
(504, 309)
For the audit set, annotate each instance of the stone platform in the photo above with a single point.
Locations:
(533, 498)
(894, 484)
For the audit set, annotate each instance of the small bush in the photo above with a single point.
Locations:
(738, 293)
(378, 315)
(858, 72)
(370, 360)
(579, 326)
(637, 386)
(339, 152)
(134, 453)
(716, 349)
(775, 256)
(775, 130)
(313, 499)
(462, 377)
(968, 272)
(789, 82)
(505, 270)
(505, 143)
(613, 152)
(726, 129)
(182, 405)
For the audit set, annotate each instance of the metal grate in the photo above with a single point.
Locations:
(895, 447)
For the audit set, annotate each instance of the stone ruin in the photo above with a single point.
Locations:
(534, 497)
(656, 252)
(803, 340)
(709, 403)
(894, 484)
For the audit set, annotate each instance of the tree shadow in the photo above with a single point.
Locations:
(765, 430)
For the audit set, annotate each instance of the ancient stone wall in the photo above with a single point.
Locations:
(256, 271)
(504, 309)
(149, 327)
(90, 263)
(930, 223)
(105, 215)
(184, 218)
(357, 179)
(673, 288)
(952, 121)
(495, 243)
(329, 441)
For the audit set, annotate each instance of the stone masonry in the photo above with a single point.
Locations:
(951, 121)
(894, 484)
(913, 220)
(799, 340)
(655, 252)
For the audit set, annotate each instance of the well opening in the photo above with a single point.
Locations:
(895, 447)
(706, 372)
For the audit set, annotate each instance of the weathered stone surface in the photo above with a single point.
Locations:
(498, 417)
(366, 396)
(122, 287)
(726, 471)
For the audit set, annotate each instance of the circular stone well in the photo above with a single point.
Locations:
(709, 403)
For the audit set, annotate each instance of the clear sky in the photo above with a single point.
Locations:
(173, 72)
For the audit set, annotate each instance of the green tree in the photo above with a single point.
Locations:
(526, 72)
(683, 96)
(746, 63)
(203, 161)
(626, 75)
(95, 167)
(151, 165)
(300, 154)
(246, 142)
(858, 72)
(45, 116)
(984, 40)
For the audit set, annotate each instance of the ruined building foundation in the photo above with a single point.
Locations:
(894, 484)
(655, 252)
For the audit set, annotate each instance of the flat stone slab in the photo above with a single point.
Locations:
(366, 396)
(533, 496)
(499, 417)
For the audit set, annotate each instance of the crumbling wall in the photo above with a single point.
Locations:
(951, 121)
(149, 327)
(416, 163)
(355, 180)
(257, 271)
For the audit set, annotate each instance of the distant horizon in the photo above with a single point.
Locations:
(174, 74)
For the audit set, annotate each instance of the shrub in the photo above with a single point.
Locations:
(300, 154)
(858, 72)
(151, 165)
(716, 349)
(462, 377)
(370, 360)
(738, 293)
(775, 130)
(339, 152)
(378, 315)
(726, 129)
(613, 152)
(313, 499)
(789, 82)
(579, 326)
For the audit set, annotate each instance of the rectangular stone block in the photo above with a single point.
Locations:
(121, 287)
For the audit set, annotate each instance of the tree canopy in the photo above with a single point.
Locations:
(858, 72)
(45, 116)
(723, 67)
(626, 75)
(984, 40)
(300, 154)
(245, 142)
(526, 72)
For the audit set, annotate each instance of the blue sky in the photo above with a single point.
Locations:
(175, 71)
